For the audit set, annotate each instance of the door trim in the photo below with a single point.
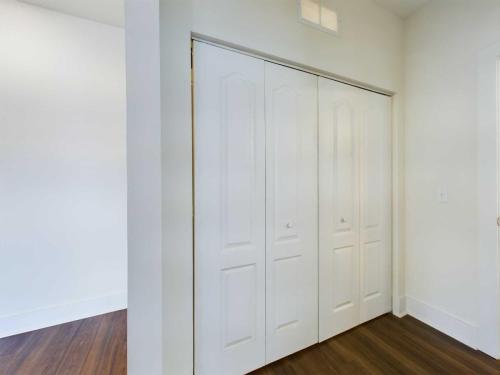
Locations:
(289, 64)
(488, 163)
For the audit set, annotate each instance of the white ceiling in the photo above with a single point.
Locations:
(402, 8)
(110, 12)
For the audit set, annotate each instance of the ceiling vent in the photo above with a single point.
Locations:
(317, 14)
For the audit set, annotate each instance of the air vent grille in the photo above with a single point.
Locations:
(318, 14)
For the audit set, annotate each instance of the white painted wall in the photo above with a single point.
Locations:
(443, 43)
(369, 50)
(62, 168)
(145, 300)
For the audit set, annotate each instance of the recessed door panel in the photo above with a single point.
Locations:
(344, 166)
(286, 304)
(238, 130)
(291, 209)
(338, 208)
(229, 212)
(372, 266)
(286, 154)
(342, 270)
(238, 305)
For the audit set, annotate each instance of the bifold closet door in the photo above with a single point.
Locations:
(291, 211)
(256, 210)
(338, 208)
(375, 207)
(354, 207)
(230, 257)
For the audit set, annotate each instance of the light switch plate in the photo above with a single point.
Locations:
(443, 194)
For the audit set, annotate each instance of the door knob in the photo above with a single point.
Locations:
(342, 220)
(289, 225)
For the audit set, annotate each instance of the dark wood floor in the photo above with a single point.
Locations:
(387, 345)
(94, 346)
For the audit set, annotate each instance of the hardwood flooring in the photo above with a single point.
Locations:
(387, 345)
(94, 346)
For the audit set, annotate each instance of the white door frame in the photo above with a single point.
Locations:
(398, 298)
(488, 190)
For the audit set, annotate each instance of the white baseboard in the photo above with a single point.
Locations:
(463, 331)
(54, 315)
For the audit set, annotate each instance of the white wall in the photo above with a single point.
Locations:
(443, 42)
(62, 168)
(369, 50)
(145, 300)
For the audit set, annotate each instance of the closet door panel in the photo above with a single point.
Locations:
(229, 138)
(338, 208)
(375, 206)
(291, 210)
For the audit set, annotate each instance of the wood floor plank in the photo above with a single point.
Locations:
(12, 350)
(49, 358)
(388, 345)
(406, 362)
(341, 359)
(106, 346)
(444, 352)
(384, 346)
(30, 358)
(431, 359)
(78, 349)
(441, 342)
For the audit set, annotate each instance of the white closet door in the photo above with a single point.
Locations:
(338, 208)
(229, 212)
(375, 219)
(291, 210)
(355, 203)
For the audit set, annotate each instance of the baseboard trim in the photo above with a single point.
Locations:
(459, 329)
(50, 316)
